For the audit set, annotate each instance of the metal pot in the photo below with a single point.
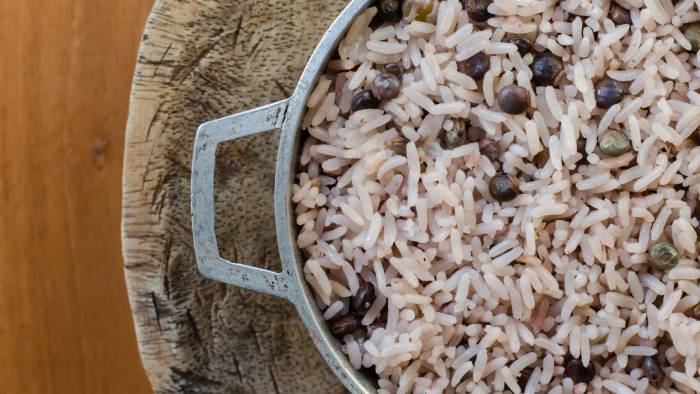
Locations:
(289, 284)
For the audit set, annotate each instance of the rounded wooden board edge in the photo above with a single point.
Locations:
(200, 60)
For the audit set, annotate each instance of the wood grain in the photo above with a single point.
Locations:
(65, 73)
(201, 60)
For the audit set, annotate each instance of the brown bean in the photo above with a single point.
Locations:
(513, 99)
(574, 369)
(345, 325)
(490, 149)
(364, 297)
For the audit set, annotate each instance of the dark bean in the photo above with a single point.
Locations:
(547, 69)
(376, 22)
(395, 69)
(464, 342)
(609, 92)
(657, 302)
(504, 187)
(476, 66)
(478, 10)
(652, 370)
(541, 158)
(695, 314)
(364, 298)
(386, 86)
(475, 134)
(364, 100)
(524, 378)
(619, 15)
(513, 99)
(345, 325)
(663, 256)
(370, 374)
(579, 373)
(692, 34)
(383, 318)
(455, 137)
(524, 45)
(489, 148)
(696, 137)
(390, 10)
(614, 143)
(581, 148)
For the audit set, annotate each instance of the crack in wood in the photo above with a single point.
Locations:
(237, 367)
(281, 88)
(253, 51)
(193, 326)
(238, 31)
(166, 264)
(273, 378)
(155, 71)
(192, 65)
(156, 309)
(257, 340)
(195, 381)
(153, 121)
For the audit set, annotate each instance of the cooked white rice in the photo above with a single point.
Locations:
(473, 295)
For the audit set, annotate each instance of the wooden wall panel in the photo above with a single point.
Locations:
(65, 74)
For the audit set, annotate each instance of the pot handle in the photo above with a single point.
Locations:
(209, 261)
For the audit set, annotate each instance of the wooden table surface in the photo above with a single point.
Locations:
(65, 75)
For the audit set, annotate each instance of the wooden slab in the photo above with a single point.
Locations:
(201, 60)
(65, 324)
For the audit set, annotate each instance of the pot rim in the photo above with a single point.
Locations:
(290, 283)
(286, 169)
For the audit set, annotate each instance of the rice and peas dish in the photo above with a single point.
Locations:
(502, 196)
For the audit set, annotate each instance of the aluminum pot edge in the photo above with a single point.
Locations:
(286, 115)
